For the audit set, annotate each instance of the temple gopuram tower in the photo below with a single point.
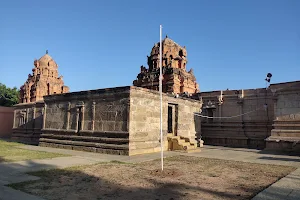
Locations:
(176, 79)
(43, 81)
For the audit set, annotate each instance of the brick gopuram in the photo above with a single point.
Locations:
(176, 79)
(43, 81)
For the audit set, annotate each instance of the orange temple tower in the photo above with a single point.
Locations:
(43, 81)
(176, 79)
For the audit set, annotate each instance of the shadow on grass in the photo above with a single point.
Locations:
(2, 160)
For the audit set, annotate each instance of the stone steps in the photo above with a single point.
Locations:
(85, 148)
(106, 140)
(26, 137)
(110, 134)
(179, 143)
(284, 144)
(86, 144)
(285, 133)
(109, 142)
(286, 138)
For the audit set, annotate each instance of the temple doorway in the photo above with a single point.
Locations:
(172, 119)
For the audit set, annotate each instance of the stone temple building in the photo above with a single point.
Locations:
(122, 120)
(43, 81)
(176, 79)
(126, 120)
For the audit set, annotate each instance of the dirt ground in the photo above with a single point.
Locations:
(184, 177)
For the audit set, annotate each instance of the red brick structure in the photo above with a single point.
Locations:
(43, 81)
(176, 79)
(6, 121)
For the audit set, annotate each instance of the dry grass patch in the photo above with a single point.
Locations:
(184, 177)
(10, 152)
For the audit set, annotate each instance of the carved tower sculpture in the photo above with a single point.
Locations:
(176, 79)
(43, 81)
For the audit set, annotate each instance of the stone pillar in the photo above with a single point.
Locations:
(34, 110)
(220, 113)
(33, 116)
(14, 122)
(93, 115)
(174, 124)
(27, 111)
(82, 118)
(68, 116)
(44, 116)
(20, 119)
(77, 119)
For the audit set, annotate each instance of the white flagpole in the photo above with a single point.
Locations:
(160, 91)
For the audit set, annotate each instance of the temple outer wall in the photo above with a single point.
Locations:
(144, 126)
(95, 121)
(6, 121)
(123, 121)
(285, 135)
(231, 126)
(28, 122)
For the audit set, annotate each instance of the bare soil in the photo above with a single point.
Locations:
(184, 177)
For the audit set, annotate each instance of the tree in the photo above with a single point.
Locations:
(8, 96)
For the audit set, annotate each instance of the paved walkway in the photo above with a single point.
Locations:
(286, 188)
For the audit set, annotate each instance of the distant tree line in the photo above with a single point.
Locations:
(8, 96)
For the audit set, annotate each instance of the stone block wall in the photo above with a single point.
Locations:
(241, 118)
(95, 120)
(28, 122)
(144, 126)
(124, 120)
(285, 135)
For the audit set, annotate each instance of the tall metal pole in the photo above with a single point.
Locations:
(161, 108)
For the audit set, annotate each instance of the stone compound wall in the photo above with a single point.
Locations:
(144, 126)
(6, 121)
(28, 122)
(249, 130)
(95, 121)
(285, 134)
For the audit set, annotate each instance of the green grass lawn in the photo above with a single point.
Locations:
(10, 152)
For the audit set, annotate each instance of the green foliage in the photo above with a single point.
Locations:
(8, 96)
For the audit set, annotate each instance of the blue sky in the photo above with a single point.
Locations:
(231, 44)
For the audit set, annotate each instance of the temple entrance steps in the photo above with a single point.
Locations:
(27, 136)
(104, 142)
(179, 143)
